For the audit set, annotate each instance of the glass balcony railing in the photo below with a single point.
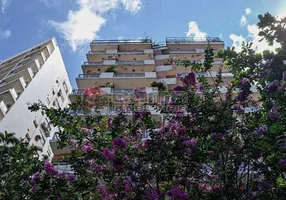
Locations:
(114, 75)
(116, 63)
(147, 40)
(89, 75)
(192, 39)
(117, 52)
(129, 75)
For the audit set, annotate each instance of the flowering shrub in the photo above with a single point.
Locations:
(210, 148)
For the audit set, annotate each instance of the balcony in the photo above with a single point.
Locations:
(27, 74)
(9, 96)
(3, 109)
(162, 57)
(124, 41)
(164, 68)
(192, 40)
(112, 75)
(19, 85)
(168, 81)
(114, 62)
(118, 81)
(115, 52)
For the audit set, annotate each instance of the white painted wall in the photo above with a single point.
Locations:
(19, 119)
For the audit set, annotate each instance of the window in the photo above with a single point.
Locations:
(48, 101)
(35, 123)
(65, 87)
(27, 137)
(49, 153)
(42, 140)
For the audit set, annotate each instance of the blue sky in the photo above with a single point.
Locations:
(74, 23)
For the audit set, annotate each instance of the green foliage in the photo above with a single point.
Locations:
(161, 86)
(111, 69)
(213, 149)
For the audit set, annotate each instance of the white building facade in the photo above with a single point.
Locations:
(37, 74)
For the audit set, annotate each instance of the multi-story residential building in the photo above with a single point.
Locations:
(37, 74)
(120, 67)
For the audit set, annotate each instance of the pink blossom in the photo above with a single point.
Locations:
(84, 131)
(74, 143)
(87, 148)
(87, 92)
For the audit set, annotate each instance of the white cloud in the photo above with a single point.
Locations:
(5, 34)
(4, 5)
(194, 30)
(237, 41)
(253, 31)
(83, 25)
(248, 11)
(132, 6)
(253, 37)
(243, 21)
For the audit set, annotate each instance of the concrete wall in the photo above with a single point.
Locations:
(19, 119)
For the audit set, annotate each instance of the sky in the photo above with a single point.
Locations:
(75, 23)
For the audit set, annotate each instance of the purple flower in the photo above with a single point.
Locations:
(272, 86)
(87, 148)
(34, 188)
(201, 87)
(178, 88)
(59, 198)
(177, 193)
(49, 168)
(116, 181)
(119, 143)
(71, 177)
(274, 114)
(190, 79)
(242, 96)
(283, 163)
(171, 103)
(109, 121)
(62, 175)
(154, 194)
(109, 154)
(261, 130)
(284, 62)
(191, 143)
(245, 81)
(37, 176)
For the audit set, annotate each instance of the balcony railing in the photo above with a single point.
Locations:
(116, 63)
(92, 63)
(122, 91)
(89, 75)
(184, 51)
(129, 75)
(114, 75)
(118, 52)
(130, 62)
(192, 39)
(126, 41)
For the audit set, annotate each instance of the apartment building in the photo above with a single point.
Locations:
(37, 74)
(122, 67)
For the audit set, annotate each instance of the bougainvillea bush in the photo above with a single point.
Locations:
(208, 146)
